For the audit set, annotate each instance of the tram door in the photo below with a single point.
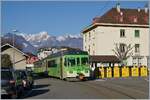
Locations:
(46, 67)
(61, 67)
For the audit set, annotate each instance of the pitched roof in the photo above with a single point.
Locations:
(125, 16)
(6, 46)
(104, 58)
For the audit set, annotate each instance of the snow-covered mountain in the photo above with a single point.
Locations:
(43, 39)
(31, 42)
(26, 46)
(35, 37)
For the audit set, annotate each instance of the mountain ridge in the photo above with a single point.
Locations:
(32, 42)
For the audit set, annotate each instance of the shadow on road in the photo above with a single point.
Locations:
(36, 77)
(41, 86)
(37, 92)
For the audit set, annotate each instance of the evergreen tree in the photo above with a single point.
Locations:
(6, 61)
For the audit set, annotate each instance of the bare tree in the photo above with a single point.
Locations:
(123, 55)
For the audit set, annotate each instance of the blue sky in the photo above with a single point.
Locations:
(55, 17)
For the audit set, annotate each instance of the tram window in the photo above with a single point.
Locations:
(84, 60)
(65, 62)
(52, 63)
(78, 61)
(71, 61)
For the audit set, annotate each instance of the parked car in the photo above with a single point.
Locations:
(30, 77)
(11, 83)
(27, 78)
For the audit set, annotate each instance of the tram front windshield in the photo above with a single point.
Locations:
(84, 61)
(73, 61)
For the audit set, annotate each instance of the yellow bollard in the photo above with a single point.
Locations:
(143, 71)
(135, 71)
(101, 69)
(109, 72)
(125, 71)
(116, 72)
(148, 71)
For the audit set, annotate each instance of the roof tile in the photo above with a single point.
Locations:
(125, 16)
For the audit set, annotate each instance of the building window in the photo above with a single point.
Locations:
(137, 48)
(85, 37)
(93, 45)
(93, 52)
(134, 61)
(139, 61)
(121, 19)
(122, 47)
(89, 49)
(122, 33)
(93, 37)
(148, 60)
(137, 33)
(85, 47)
(135, 19)
(146, 19)
(89, 35)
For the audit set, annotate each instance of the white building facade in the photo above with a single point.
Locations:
(43, 53)
(123, 28)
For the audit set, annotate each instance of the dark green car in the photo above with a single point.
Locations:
(11, 83)
(27, 78)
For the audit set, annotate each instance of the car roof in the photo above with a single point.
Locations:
(21, 70)
(7, 69)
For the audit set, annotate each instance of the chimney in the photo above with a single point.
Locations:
(146, 9)
(118, 7)
(121, 13)
(95, 19)
(139, 9)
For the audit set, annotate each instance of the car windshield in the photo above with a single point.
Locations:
(6, 75)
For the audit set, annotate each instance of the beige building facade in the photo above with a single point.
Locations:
(100, 37)
(17, 57)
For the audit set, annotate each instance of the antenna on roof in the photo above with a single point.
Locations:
(139, 9)
(118, 7)
(146, 8)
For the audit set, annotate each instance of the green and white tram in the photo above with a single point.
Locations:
(68, 64)
(39, 67)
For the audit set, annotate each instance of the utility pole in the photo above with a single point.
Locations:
(149, 40)
(14, 31)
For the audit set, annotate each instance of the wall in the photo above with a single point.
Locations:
(105, 38)
(18, 56)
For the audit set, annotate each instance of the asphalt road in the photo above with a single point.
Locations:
(122, 88)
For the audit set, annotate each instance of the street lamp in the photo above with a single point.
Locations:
(14, 31)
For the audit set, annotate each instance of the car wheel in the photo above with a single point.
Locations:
(31, 85)
(14, 96)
